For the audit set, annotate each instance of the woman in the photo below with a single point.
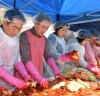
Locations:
(33, 49)
(57, 47)
(78, 43)
(92, 48)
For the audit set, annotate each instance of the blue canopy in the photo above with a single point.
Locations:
(72, 11)
(88, 25)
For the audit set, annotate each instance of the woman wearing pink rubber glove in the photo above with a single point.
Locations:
(9, 51)
(57, 47)
(78, 43)
(33, 48)
(92, 48)
(92, 51)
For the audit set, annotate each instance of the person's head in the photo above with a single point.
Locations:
(13, 22)
(96, 36)
(41, 23)
(60, 28)
(83, 36)
(97, 42)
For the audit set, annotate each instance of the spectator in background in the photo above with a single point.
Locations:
(9, 51)
(33, 48)
(57, 47)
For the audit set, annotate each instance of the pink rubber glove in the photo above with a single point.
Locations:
(2, 88)
(94, 65)
(44, 83)
(92, 69)
(71, 56)
(11, 79)
(36, 75)
(20, 67)
(51, 62)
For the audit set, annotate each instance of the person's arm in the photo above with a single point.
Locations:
(20, 67)
(11, 79)
(51, 62)
(75, 46)
(52, 47)
(89, 55)
(81, 61)
(24, 48)
(6, 76)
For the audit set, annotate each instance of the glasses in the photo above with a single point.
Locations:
(14, 27)
(97, 40)
(88, 39)
(44, 27)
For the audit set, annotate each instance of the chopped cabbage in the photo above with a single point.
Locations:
(80, 73)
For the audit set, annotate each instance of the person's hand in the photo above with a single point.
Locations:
(60, 75)
(44, 83)
(28, 78)
(95, 70)
(20, 84)
(74, 55)
(2, 88)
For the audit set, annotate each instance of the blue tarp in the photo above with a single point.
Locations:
(88, 25)
(72, 11)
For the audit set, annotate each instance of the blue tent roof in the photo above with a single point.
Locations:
(72, 11)
(88, 25)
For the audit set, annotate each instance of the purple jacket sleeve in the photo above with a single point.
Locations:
(24, 48)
